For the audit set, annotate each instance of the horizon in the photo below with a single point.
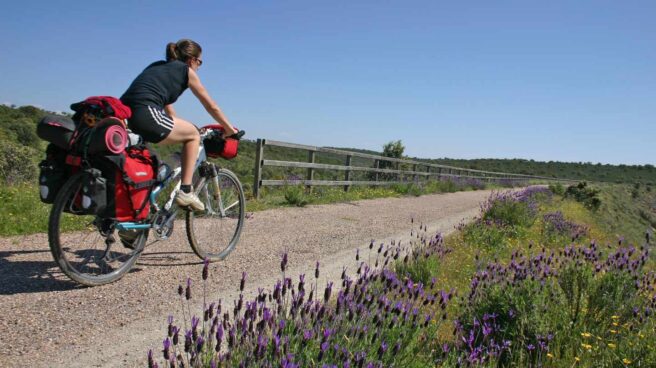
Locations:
(564, 82)
(412, 157)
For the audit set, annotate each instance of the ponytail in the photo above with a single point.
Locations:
(182, 50)
(171, 51)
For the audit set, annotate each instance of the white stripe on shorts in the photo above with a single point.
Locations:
(160, 120)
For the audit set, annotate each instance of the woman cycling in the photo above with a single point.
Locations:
(151, 96)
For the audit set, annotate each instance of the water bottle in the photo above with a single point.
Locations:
(163, 172)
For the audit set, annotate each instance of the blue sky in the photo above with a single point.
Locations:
(543, 80)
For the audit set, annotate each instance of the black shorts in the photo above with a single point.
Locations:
(152, 123)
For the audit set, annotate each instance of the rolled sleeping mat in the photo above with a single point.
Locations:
(110, 136)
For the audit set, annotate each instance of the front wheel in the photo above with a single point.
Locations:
(78, 241)
(214, 232)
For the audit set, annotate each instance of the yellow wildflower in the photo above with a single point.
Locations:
(615, 324)
(626, 361)
(615, 317)
(586, 346)
(611, 345)
(613, 331)
(549, 355)
(586, 334)
(577, 359)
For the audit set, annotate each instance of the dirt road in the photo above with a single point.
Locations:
(48, 321)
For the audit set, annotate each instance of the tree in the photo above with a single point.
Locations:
(393, 149)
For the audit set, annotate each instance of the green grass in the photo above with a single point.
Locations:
(24, 213)
(606, 334)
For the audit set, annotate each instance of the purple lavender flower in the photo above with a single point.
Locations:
(188, 289)
(242, 283)
(283, 262)
(206, 264)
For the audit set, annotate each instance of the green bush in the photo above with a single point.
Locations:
(16, 163)
(295, 195)
(584, 194)
(557, 188)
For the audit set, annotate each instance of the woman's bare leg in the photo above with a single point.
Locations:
(186, 133)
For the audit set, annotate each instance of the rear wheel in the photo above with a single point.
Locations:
(214, 232)
(79, 242)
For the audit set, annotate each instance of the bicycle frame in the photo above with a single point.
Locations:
(202, 157)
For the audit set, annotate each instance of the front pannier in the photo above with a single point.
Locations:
(216, 146)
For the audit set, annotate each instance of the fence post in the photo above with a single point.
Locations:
(398, 175)
(415, 178)
(377, 165)
(259, 156)
(347, 176)
(310, 171)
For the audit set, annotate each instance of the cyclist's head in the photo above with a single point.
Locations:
(184, 50)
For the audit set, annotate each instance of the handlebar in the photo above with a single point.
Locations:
(238, 135)
(205, 133)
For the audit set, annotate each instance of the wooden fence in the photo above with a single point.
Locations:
(415, 171)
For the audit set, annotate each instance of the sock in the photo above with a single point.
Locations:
(186, 188)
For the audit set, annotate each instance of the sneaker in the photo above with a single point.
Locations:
(189, 200)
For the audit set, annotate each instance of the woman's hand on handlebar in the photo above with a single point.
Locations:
(229, 132)
(237, 135)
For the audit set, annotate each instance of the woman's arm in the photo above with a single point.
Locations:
(212, 108)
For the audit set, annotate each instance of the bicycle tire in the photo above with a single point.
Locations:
(204, 246)
(61, 242)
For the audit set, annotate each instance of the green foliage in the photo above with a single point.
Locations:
(584, 194)
(393, 149)
(485, 236)
(295, 195)
(508, 212)
(16, 163)
(567, 170)
(557, 189)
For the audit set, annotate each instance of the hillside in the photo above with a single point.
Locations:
(21, 150)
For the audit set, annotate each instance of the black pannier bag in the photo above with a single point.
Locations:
(93, 192)
(53, 173)
(127, 180)
(56, 129)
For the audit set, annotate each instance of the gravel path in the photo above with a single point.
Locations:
(48, 321)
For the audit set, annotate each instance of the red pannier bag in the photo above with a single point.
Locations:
(130, 178)
(216, 146)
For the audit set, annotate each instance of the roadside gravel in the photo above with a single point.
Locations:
(48, 321)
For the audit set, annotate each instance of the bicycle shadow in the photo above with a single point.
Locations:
(38, 276)
(168, 259)
(20, 277)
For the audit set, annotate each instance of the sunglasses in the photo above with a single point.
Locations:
(200, 62)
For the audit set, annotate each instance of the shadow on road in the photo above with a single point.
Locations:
(167, 259)
(31, 276)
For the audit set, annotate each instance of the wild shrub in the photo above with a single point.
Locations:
(504, 215)
(17, 163)
(558, 309)
(556, 229)
(584, 194)
(557, 189)
(295, 195)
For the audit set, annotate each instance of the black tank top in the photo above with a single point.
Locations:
(160, 84)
